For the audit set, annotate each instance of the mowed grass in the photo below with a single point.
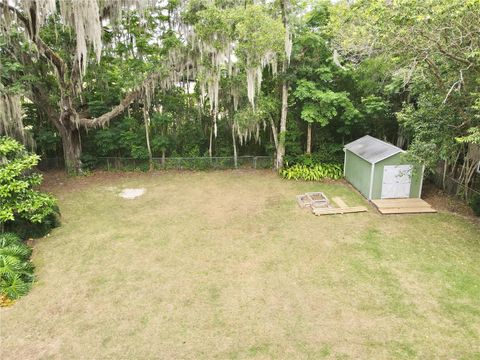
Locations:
(224, 265)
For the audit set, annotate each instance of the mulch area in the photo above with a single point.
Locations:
(443, 202)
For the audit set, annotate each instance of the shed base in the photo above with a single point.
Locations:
(403, 206)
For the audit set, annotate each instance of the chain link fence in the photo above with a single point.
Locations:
(173, 163)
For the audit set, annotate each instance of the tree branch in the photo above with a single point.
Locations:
(435, 71)
(445, 52)
(121, 107)
(19, 15)
(54, 58)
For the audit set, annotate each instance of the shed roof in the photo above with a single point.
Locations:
(372, 149)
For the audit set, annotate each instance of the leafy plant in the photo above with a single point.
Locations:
(475, 204)
(314, 172)
(16, 271)
(27, 229)
(326, 153)
(18, 198)
(89, 161)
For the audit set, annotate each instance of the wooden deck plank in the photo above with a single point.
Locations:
(405, 210)
(399, 202)
(339, 201)
(354, 209)
(403, 206)
(333, 211)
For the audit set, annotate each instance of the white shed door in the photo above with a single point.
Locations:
(396, 181)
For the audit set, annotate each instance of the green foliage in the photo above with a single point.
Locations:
(406, 71)
(473, 136)
(19, 200)
(323, 105)
(160, 124)
(258, 34)
(326, 153)
(89, 161)
(16, 271)
(315, 172)
(441, 90)
(434, 126)
(27, 229)
(475, 204)
(213, 21)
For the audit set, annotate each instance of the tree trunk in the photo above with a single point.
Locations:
(149, 148)
(235, 157)
(445, 166)
(72, 149)
(163, 157)
(274, 134)
(453, 168)
(210, 145)
(283, 126)
(309, 138)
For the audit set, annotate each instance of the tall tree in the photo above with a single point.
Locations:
(280, 153)
(207, 39)
(432, 47)
(85, 19)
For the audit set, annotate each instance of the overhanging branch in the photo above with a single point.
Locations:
(121, 107)
(44, 49)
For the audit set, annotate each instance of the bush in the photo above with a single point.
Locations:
(27, 229)
(314, 172)
(20, 203)
(16, 270)
(89, 162)
(475, 204)
(326, 154)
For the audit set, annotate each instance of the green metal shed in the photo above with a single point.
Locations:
(377, 169)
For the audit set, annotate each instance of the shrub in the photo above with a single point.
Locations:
(325, 154)
(27, 229)
(89, 162)
(475, 204)
(16, 270)
(314, 172)
(20, 203)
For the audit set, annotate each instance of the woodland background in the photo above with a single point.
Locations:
(291, 80)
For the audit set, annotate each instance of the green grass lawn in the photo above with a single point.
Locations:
(224, 265)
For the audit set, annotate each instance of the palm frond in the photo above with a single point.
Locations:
(14, 286)
(7, 239)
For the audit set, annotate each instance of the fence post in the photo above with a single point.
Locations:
(255, 162)
(108, 164)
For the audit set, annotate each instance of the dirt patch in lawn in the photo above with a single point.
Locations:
(59, 182)
(131, 194)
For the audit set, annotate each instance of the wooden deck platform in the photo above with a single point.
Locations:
(403, 206)
(342, 209)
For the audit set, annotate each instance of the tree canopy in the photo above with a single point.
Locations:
(148, 79)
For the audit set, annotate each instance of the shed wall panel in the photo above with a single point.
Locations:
(396, 160)
(357, 172)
